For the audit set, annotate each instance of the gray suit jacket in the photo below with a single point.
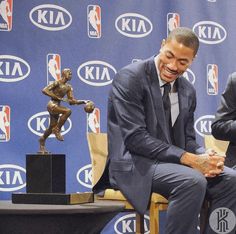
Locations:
(137, 131)
(224, 126)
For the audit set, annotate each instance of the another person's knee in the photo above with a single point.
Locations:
(230, 180)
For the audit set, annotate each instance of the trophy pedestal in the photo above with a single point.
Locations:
(45, 182)
(52, 198)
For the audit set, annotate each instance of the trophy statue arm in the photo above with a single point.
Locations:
(72, 100)
(51, 94)
(48, 91)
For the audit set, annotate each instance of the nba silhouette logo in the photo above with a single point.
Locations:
(93, 121)
(6, 7)
(4, 123)
(212, 79)
(173, 22)
(94, 21)
(53, 67)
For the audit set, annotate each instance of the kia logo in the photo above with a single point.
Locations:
(50, 17)
(133, 25)
(210, 32)
(84, 176)
(203, 125)
(12, 177)
(96, 73)
(39, 122)
(189, 76)
(127, 224)
(13, 69)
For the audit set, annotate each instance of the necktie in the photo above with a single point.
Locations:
(167, 107)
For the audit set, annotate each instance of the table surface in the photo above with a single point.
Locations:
(99, 206)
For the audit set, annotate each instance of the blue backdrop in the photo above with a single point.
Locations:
(39, 38)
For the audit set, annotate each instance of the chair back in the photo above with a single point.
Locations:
(97, 143)
(218, 145)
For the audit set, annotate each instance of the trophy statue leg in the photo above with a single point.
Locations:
(56, 132)
(42, 149)
(56, 129)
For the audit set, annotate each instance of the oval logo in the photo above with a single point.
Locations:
(50, 17)
(210, 32)
(202, 125)
(38, 123)
(189, 75)
(127, 223)
(133, 25)
(96, 73)
(13, 69)
(84, 176)
(12, 177)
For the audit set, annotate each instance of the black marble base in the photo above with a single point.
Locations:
(52, 198)
(45, 173)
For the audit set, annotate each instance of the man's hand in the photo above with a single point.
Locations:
(209, 165)
(211, 152)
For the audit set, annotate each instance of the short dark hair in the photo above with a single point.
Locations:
(185, 36)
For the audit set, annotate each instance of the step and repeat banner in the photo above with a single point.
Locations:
(39, 38)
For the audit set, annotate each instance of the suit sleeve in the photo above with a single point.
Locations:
(224, 126)
(127, 96)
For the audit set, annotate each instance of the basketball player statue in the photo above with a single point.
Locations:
(59, 114)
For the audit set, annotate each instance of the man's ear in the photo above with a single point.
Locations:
(163, 43)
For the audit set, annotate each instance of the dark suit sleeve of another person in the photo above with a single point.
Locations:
(133, 106)
(224, 126)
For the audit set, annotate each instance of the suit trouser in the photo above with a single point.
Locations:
(186, 190)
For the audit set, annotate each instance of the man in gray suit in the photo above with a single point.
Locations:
(224, 126)
(150, 151)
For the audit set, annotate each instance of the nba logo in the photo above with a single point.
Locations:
(6, 7)
(4, 123)
(93, 121)
(212, 79)
(94, 21)
(173, 22)
(53, 67)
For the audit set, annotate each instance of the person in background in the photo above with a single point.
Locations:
(224, 125)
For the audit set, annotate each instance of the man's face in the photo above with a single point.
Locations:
(174, 59)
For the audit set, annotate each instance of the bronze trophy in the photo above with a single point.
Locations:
(45, 172)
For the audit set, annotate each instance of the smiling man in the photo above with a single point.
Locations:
(151, 139)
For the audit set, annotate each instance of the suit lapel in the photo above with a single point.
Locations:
(156, 95)
(182, 95)
(183, 106)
